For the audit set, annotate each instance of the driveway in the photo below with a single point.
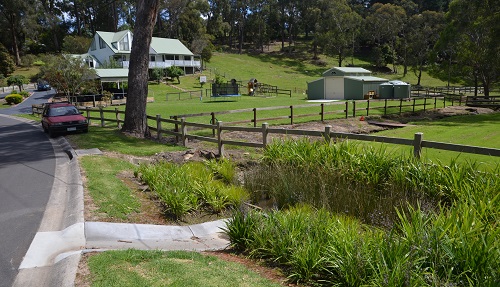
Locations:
(27, 166)
(36, 98)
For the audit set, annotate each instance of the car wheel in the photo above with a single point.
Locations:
(45, 130)
(51, 133)
(85, 131)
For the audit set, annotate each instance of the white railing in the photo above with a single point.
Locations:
(166, 64)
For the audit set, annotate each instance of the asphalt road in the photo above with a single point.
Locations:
(25, 107)
(27, 165)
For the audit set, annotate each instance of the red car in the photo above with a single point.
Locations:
(58, 118)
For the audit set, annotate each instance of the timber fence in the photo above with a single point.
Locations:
(180, 129)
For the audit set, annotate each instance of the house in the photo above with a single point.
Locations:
(163, 52)
(344, 83)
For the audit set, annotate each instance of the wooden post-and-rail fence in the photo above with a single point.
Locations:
(183, 135)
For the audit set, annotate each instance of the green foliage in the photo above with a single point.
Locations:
(76, 44)
(28, 60)
(67, 74)
(25, 94)
(174, 72)
(190, 186)
(157, 74)
(14, 99)
(7, 65)
(17, 80)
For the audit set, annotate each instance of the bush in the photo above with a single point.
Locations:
(25, 94)
(14, 99)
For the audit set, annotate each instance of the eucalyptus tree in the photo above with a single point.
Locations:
(13, 12)
(135, 110)
(340, 26)
(423, 34)
(382, 28)
(473, 33)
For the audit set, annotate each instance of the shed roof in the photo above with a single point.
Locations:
(367, 79)
(346, 71)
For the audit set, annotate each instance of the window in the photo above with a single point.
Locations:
(124, 46)
(102, 44)
(153, 59)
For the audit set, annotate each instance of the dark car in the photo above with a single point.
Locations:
(58, 118)
(43, 86)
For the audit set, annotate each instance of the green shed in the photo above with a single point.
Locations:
(360, 87)
(332, 85)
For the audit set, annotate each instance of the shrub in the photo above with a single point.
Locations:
(14, 99)
(25, 94)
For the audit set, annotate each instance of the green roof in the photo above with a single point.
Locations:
(367, 79)
(112, 75)
(169, 46)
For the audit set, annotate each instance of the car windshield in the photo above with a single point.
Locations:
(63, 111)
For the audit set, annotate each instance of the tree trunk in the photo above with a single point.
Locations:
(15, 48)
(135, 110)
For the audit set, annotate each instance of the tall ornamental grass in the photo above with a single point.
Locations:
(356, 180)
(350, 217)
(195, 185)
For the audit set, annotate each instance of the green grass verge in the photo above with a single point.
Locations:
(475, 130)
(111, 139)
(137, 268)
(111, 196)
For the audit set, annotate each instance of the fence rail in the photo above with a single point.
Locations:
(417, 142)
(489, 102)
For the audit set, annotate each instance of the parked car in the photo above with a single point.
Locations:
(58, 118)
(43, 86)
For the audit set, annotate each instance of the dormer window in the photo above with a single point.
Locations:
(123, 44)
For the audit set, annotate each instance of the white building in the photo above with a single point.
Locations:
(163, 52)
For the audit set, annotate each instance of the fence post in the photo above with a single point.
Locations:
(265, 127)
(220, 145)
(328, 129)
(435, 102)
(101, 113)
(322, 112)
(346, 109)
(444, 102)
(213, 120)
(117, 118)
(400, 105)
(291, 115)
(417, 145)
(93, 100)
(158, 127)
(385, 107)
(413, 104)
(184, 132)
(425, 102)
(176, 129)
(367, 107)
(88, 114)
(353, 109)
(254, 117)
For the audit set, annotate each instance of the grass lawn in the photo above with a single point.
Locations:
(477, 130)
(137, 268)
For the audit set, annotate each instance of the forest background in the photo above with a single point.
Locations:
(457, 41)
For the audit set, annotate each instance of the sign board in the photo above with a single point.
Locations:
(203, 79)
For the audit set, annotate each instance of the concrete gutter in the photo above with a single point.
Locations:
(55, 252)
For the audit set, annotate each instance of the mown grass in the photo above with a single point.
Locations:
(136, 268)
(111, 139)
(113, 198)
(438, 224)
(474, 130)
